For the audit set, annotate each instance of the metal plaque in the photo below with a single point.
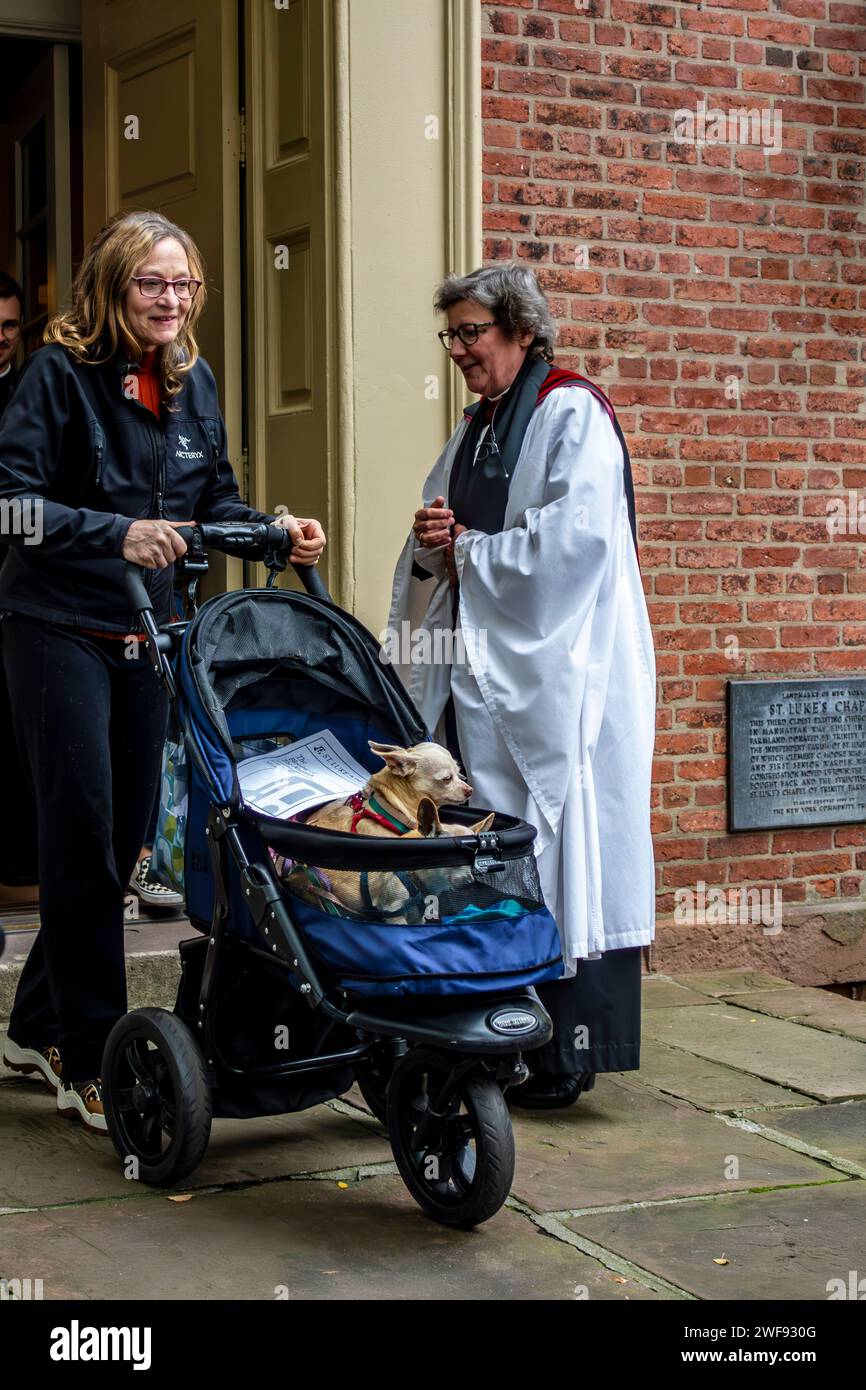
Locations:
(796, 753)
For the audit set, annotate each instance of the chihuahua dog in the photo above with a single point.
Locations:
(402, 800)
(388, 805)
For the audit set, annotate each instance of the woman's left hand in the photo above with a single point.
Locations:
(308, 537)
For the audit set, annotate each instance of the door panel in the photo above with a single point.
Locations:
(40, 132)
(288, 56)
(161, 131)
(174, 68)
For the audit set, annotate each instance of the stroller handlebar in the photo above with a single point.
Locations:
(252, 540)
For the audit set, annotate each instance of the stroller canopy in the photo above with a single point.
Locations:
(254, 659)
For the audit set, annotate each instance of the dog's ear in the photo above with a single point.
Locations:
(480, 826)
(428, 818)
(398, 760)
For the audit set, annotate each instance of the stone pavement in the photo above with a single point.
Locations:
(733, 1165)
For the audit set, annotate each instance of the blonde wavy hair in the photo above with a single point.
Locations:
(95, 327)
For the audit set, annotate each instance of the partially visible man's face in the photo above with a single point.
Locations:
(10, 330)
(492, 362)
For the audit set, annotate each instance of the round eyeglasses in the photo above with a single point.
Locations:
(467, 333)
(152, 288)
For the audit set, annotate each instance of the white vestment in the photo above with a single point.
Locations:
(555, 705)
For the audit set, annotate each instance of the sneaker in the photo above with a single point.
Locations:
(83, 1100)
(151, 892)
(45, 1061)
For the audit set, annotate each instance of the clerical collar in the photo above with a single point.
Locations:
(7, 369)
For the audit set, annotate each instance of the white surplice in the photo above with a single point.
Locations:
(556, 703)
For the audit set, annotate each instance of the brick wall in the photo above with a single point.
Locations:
(718, 293)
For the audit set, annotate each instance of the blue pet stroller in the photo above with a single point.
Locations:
(285, 1001)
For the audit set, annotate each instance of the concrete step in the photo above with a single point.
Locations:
(152, 960)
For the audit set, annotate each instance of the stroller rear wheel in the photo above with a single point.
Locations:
(456, 1157)
(156, 1094)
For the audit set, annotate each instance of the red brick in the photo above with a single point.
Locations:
(711, 263)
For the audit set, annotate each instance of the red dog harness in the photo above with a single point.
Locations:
(380, 815)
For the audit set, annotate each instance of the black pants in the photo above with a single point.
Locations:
(18, 861)
(90, 722)
(596, 1013)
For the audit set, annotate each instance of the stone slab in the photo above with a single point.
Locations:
(839, 1130)
(624, 1143)
(46, 1159)
(780, 1246)
(818, 1008)
(721, 983)
(315, 1240)
(708, 1084)
(823, 1065)
(658, 992)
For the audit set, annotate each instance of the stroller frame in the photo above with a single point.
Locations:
(433, 1057)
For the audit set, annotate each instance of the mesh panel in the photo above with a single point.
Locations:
(410, 897)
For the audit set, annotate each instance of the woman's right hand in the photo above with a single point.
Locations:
(153, 544)
(433, 524)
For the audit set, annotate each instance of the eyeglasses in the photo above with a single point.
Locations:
(152, 288)
(467, 333)
(10, 325)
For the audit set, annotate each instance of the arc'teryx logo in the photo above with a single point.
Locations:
(77, 1343)
(185, 452)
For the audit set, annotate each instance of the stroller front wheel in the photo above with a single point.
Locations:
(157, 1098)
(456, 1157)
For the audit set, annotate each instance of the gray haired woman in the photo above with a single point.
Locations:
(525, 551)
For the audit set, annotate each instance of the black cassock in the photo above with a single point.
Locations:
(596, 1013)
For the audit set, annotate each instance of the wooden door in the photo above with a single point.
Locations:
(288, 86)
(40, 131)
(162, 131)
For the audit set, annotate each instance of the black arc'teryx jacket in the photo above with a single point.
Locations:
(79, 462)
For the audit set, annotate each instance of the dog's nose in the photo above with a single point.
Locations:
(466, 790)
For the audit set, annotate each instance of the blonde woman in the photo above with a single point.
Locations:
(113, 437)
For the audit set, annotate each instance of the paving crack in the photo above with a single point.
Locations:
(551, 1225)
(800, 1146)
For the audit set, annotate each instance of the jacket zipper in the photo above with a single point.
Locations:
(158, 471)
(99, 438)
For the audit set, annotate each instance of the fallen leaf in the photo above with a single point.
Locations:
(721, 1261)
(342, 1184)
(185, 1197)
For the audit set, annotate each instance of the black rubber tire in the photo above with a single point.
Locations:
(467, 1199)
(154, 1078)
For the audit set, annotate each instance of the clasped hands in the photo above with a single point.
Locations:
(156, 544)
(435, 526)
